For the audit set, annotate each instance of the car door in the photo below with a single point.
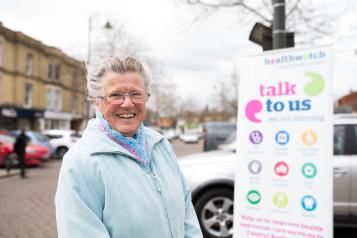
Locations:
(353, 204)
(341, 170)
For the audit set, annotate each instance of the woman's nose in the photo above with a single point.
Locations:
(127, 102)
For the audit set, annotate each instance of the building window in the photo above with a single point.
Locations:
(28, 96)
(57, 71)
(54, 99)
(57, 100)
(29, 64)
(74, 103)
(50, 72)
(49, 99)
(75, 81)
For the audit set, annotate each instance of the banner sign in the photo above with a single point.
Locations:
(283, 185)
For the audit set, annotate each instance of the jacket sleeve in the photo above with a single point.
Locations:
(79, 200)
(192, 227)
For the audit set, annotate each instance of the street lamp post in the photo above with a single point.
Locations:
(87, 63)
(279, 32)
(107, 26)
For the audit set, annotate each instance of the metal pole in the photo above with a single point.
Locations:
(279, 32)
(89, 40)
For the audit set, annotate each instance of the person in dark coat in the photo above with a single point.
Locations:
(20, 148)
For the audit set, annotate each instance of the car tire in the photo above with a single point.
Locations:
(214, 209)
(60, 152)
(10, 161)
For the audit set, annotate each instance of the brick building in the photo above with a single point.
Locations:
(40, 87)
(349, 101)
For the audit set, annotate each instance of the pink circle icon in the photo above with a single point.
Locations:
(281, 168)
(252, 108)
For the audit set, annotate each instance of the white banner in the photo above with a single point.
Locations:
(283, 184)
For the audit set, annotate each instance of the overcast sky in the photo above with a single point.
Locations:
(196, 52)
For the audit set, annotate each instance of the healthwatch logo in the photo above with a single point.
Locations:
(312, 88)
(295, 58)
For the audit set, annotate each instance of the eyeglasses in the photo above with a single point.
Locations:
(119, 98)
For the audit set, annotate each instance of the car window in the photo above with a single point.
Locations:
(76, 135)
(40, 137)
(232, 137)
(354, 140)
(7, 139)
(339, 138)
(54, 136)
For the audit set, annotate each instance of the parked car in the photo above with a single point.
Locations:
(230, 143)
(215, 133)
(169, 134)
(61, 140)
(3, 131)
(38, 139)
(189, 137)
(211, 178)
(33, 156)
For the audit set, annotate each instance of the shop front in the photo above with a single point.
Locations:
(13, 118)
(60, 120)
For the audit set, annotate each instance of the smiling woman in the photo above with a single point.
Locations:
(122, 179)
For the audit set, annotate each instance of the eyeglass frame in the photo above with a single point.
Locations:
(123, 96)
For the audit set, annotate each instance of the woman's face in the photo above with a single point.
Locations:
(126, 116)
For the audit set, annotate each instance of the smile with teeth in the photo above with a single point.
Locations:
(127, 115)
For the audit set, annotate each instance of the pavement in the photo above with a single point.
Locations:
(27, 208)
(5, 174)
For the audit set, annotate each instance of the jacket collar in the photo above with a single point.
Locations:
(99, 143)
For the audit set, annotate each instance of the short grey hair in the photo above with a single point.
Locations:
(95, 75)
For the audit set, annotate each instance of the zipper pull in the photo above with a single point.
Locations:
(155, 180)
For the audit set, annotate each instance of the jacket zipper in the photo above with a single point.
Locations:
(162, 201)
(153, 175)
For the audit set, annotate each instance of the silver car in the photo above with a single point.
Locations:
(211, 178)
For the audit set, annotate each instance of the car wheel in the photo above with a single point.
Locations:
(61, 151)
(214, 209)
(10, 161)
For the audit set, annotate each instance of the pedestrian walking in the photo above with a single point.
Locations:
(122, 179)
(20, 149)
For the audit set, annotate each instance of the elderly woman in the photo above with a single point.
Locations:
(122, 179)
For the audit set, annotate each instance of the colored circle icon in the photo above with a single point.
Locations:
(252, 109)
(309, 170)
(281, 168)
(309, 137)
(282, 137)
(253, 197)
(280, 200)
(316, 84)
(308, 203)
(254, 167)
(256, 137)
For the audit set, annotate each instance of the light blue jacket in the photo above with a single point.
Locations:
(104, 192)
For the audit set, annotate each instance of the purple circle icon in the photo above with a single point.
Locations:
(256, 137)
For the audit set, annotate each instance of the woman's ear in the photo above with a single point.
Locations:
(96, 102)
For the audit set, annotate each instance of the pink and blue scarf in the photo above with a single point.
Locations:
(134, 145)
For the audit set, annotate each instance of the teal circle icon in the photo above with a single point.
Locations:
(309, 170)
(253, 197)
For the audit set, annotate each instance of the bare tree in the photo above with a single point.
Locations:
(114, 39)
(164, 99)
(313, 17)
